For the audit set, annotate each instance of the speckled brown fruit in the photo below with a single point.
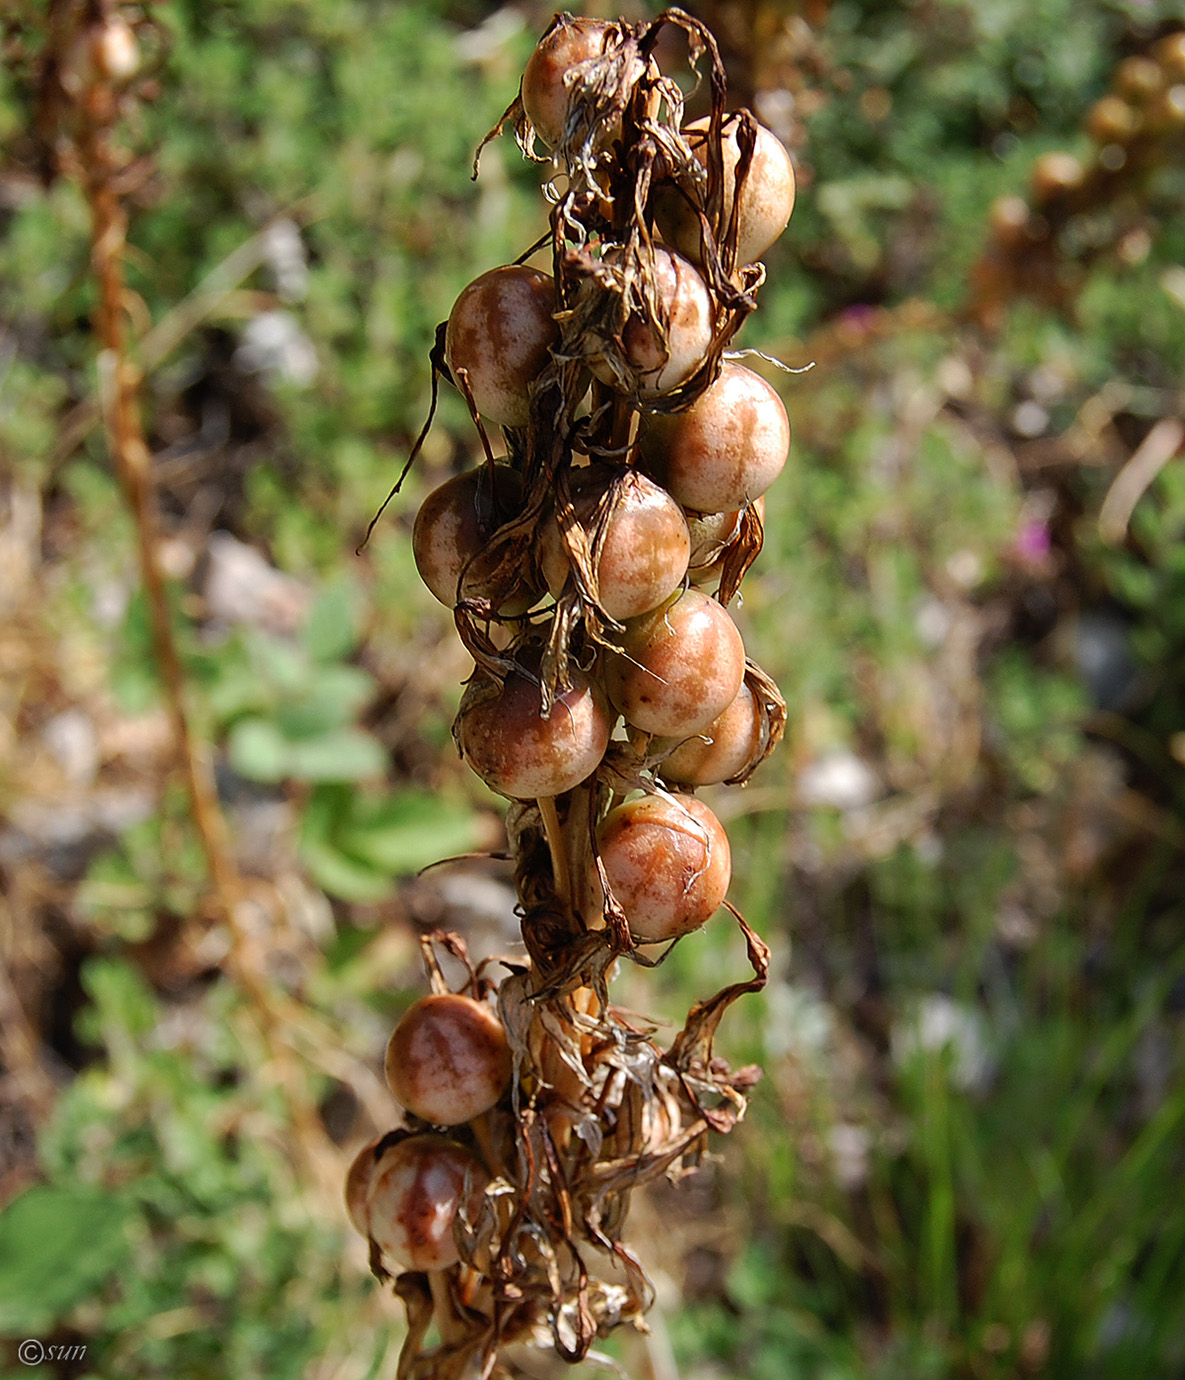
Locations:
(500, 331)
(723, 451)
(453, 525)
(448, 1059)
(668, 863)
(416, 1190)
(767, 201)
(680, 667)
(544, 93)
(729, 744)
(358, 1178)
(710, 534)
(684, 309)
(520, 754)
(646, 544)
(707, 572)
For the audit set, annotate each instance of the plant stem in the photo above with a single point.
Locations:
(119, 381)
(555, 844)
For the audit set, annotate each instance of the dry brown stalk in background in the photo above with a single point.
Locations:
(87, 87)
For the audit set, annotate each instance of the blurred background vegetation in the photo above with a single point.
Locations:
(966, 1156)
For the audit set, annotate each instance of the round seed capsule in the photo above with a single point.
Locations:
(448, 1059)
(417, 1187)
(729, 745)
(521, 754)
(662, 359)
(668, 863)
(453, 525)
(767, 199)
(726, 449)
(544, 92)
(358, 1178)
(709, 569)
(500, 332)
(644, 553)
(679, 667)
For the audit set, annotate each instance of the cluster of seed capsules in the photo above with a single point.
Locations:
(1079, 209)
(589, 569)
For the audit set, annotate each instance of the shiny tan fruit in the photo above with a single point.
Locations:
(661, 360)
(358, 1178)
(679, 667)
(544, 92)
(520, 754)
(453, 525)
(668, 863)
(500, 332)
(644, 551)
(767, 199)
(416, 1190)
(723, 451)
(730, 744)
(448, 1059)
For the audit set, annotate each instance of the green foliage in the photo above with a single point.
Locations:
(171, 1202)
(156, 868)
(57, 1246)
(355, 845)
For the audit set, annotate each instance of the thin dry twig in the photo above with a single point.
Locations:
(90, 99)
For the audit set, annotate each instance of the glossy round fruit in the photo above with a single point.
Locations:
(544, 92)
(416, 1190)
(660, 360)
(679, 667)
(723, 451)
(668, 864)
(644, 552)
(710, 535)
(767, 199)
(521, 754)
(730, 744)
(358, 1178)
(448, 1059)
(500, 332)
(453, 525)
(707, 573)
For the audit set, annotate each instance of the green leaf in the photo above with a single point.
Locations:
(330, 698)
(57, 1246)
(405, 832)
(259, 751)
(122, 998)
(345, 755)
(332, 629)
(343, 876)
